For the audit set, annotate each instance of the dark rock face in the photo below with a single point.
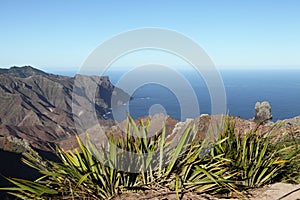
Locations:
(262, 112)
(37, 107)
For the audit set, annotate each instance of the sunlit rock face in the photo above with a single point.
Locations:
(39, 107)
(262, 112)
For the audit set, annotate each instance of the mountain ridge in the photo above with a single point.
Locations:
(23, 72)
(37, 106)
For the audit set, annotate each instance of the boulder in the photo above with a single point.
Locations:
(262, 112)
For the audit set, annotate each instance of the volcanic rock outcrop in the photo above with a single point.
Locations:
(262, 112)
(36, 107)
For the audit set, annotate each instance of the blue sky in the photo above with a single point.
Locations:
(60, 34)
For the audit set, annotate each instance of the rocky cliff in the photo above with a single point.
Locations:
(36, 107)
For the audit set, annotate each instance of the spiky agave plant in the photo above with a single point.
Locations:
(254, 156)
(235, 160)
(289, 149)
(93, 173)
(184, 167)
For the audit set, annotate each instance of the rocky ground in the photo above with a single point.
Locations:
(206, 126)
(277, 191)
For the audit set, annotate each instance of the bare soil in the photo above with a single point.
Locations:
(277, 191)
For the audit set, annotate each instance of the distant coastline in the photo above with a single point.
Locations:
(244, 87)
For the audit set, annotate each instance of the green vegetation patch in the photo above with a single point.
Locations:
(235, 163)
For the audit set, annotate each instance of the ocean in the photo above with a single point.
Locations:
(243, 89)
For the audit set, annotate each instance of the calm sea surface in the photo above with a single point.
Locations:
(243, 89)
